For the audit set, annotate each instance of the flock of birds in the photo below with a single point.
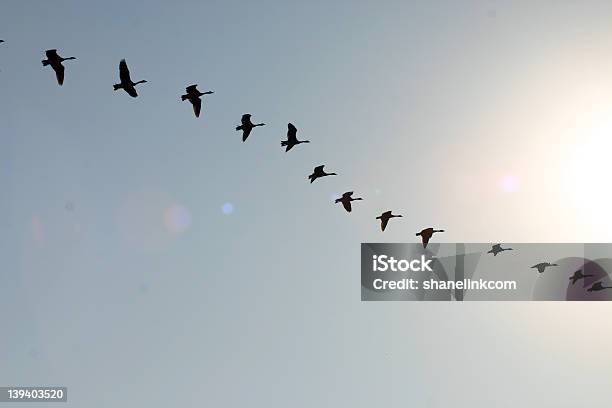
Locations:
(541, 267)
(194, 96)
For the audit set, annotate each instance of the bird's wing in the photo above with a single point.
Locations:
(197, 106)
(383, 223)
(246, 131)
(59, 73)
(425, 239)
(246, 119)
(348, 194)
(124, 72)
(51, 54)
(291, 132)
(496, 247)
(319, 168)
(191, 88)
(131, 91)
(347, 205)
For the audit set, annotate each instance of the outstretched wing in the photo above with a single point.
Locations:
(291, 132)
(191, 89)
(537, 265)
(383, 223)
(131, 91)
(59, 72)
(246, 131)
(246, 120)
(319, 169)
(197, 106)
(124, 73)
(496, 247)
(425, 239)
(347, 205)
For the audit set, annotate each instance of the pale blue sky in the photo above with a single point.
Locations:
(422, 107)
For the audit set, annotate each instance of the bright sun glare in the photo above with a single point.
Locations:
(589, 172)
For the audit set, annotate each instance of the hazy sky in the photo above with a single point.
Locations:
(124, 279)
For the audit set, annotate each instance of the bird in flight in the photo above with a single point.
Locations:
(578, 275)
(597, 286)
(426, 235)
(247, 126)
(542, 266)
(384, 219)
(126, 82)
(193, 95)
(55, 61)
(497, 248)
(346, 200)
(319, 172)
(292, 138)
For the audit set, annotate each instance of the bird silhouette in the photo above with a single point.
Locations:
(497, 248)
(426, 235)
(193, 95)
(319, 172)
(346, 200)
(55, 61)
(384, 219)
(597, 286)
(578, 275)
(292, 138)
(247, 126)
(126, 82)
(1, 41)
(543, 265)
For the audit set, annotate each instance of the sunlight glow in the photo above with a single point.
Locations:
(589, 170)
(509, 184)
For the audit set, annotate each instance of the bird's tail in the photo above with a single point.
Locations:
(284, 142)
(239, 127)
(45, 62)
(116, 86)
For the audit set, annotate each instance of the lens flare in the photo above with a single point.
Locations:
(227, 208)
(177, 219)
(509, 184)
